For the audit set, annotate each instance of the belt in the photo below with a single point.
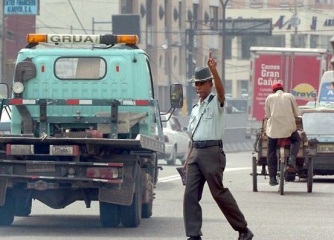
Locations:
(208, 143)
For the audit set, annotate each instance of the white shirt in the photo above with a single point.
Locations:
(281, 109)
(211, 125)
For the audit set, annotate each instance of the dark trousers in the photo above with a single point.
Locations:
(207, 165)
(272, 154)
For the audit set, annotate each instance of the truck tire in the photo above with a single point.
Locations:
(310, 175)
(146, 211)
(155, 171)
(147, 208)
(109, 214)
(131, 215)
(7, 210)
(23, 207)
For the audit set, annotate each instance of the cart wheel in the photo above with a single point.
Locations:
(281, 178)
(254, 174)
(310, 175)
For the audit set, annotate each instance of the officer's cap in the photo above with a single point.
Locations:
(202, 74)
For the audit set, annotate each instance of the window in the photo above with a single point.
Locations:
(214, 18)
(271, 41)
(88, 68)
(314, 41)
(256, 3)
(126, 6)
(228, 48)
(246, 43)
(298, 40)
(324, 42)
(264, 41)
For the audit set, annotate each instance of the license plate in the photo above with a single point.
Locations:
(325, 148)
(40, 167)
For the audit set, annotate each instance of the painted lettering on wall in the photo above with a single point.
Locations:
(269, 75)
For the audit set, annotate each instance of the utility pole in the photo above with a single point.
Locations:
(190, 49)
(295, 21)
(224, 4)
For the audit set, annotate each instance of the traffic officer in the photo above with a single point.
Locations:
(206, 162)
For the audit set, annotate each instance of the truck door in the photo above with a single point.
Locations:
(304, 74)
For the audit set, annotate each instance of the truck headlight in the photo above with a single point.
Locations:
(18, 87)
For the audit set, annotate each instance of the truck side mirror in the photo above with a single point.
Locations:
(176, 96)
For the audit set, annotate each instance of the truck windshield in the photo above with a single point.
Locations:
(86, 68)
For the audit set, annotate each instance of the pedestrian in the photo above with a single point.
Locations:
(207, 161)
(281, 110)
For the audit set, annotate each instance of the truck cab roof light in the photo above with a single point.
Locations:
(107, 39)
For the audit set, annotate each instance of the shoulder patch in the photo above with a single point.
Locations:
(210, 98)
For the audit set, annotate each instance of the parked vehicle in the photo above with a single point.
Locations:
(5, 121)
(320, 133)
(298, 69)
(85, 127)
(326, 89)
(177, 141)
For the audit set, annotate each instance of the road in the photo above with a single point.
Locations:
(296, 215)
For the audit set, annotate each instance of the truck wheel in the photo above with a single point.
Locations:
(109, 214)
(131, 215)
(146, 211)
(22, 207)
(173, 158)
(7, 210)
(310, 175)
(155, 170)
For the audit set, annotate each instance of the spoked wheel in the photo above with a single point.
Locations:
(281, 178)
(254, 174)
(310, 175)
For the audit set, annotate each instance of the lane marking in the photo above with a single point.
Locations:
(177, 177)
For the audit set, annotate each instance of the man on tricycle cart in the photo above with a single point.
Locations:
(281, 109)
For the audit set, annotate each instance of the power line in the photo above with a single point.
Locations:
(76, 15)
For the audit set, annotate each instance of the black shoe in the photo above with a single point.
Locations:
(273, 181)
(246, 235)
(292, 164)
(195, 238)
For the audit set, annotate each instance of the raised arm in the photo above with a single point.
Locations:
(212, 64)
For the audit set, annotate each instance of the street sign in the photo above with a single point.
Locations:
(19, 7)
(243, 26)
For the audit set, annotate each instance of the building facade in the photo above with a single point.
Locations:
(167, 26)
(179, 34)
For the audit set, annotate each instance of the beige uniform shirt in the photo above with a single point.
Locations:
(211, 125)
(280, 110)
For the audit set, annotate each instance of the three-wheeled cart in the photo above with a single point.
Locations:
(304, 161)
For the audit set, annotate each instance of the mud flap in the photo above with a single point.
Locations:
(121, 194)
(3, 188)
